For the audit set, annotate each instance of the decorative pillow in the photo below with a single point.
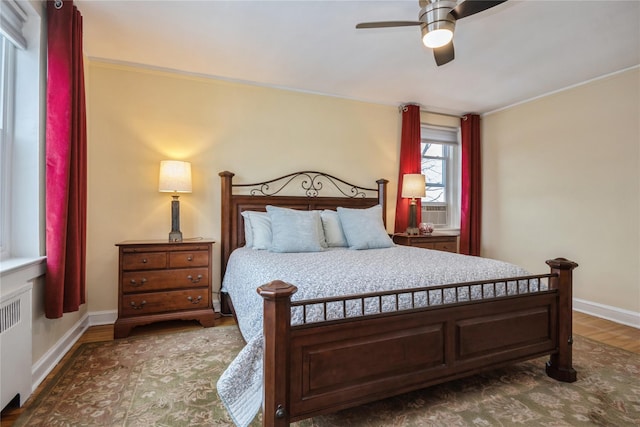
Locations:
(333, 233)
(364, 228)
(257, 229)
(248, 234)
(295, 230)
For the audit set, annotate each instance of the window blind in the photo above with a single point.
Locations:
(439, 135)
(12, 19)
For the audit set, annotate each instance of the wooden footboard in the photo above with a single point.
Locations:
(322, 367)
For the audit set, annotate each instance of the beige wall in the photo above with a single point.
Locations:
(581, 143)
(137, 117)
(562, 178)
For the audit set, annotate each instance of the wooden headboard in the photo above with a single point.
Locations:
(306, 187)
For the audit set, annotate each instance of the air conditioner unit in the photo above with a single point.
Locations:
(435, 214)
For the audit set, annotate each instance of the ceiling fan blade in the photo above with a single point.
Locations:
(444, 54)
(470, 7)
(387, 24)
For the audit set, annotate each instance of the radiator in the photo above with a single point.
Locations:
(15, 345)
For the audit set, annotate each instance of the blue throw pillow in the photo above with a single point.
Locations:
(364, 228)
(294, 230)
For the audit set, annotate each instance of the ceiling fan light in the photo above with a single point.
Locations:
(439, 24)
(437, 38)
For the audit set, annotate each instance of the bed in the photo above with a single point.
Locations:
(315, 350)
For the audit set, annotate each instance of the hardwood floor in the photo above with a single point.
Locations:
(602, 330)
(606, 331)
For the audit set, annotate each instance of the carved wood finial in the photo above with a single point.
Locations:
(276, 290)
(561, 264)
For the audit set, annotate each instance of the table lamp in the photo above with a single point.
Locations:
(175, 177)
(413, 186)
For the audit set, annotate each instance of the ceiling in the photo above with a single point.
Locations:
(513, 52)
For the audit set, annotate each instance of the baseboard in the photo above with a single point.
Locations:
(51, 358)
(615, 314)
(98, 318)
(54, 355)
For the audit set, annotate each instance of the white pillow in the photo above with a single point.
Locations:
(257, 229)
(248, 234)
(364, 228)
(333, 234)
(295, 230)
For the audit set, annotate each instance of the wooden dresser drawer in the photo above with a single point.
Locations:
(160, 280)
(425, 245)
(445, 246)
(436, 241)
(157, 280)
(188, 259)
(159, 302)
(144, 261)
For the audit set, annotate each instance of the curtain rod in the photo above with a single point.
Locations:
(403, 107)
(442, 114)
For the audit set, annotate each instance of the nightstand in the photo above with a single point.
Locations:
(438, 241)
(161, 280)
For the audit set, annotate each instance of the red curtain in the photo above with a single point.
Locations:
(471, 203)
(66, 159)
(410, 162)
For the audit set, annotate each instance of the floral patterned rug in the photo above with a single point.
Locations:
(169, 380)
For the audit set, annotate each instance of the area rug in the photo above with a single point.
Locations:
(169, 380)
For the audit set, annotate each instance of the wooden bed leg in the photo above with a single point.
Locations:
(276, 329)
(560, 365)
(225, 305)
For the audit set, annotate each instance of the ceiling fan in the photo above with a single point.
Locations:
(437, 20)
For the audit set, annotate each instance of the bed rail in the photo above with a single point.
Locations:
(388, 302)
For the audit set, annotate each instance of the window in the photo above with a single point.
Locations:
(441, 167)
(22, 83)
(434, 167)
(7, 51)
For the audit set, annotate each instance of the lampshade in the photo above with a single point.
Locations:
(175, 177)
(413, 185)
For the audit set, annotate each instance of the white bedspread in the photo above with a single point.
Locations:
(334, 272)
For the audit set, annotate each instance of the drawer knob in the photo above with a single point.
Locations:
(189, 258)
(144, 260)
(138, 307)
(196, 280)
(135, 283)
(195, 301)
